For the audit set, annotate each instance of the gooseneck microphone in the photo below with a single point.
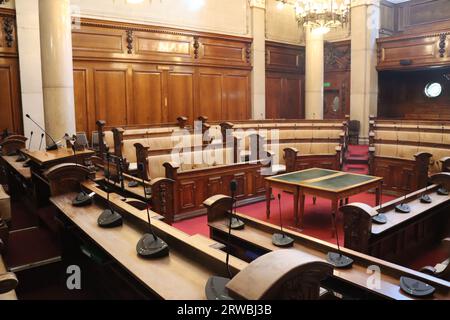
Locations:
(235, 222)
(150, 246)
(216, 287)
(54, 145)
(403, 207)
(338, 260)
(380, 218)
(281, 239)
(83, 198)
(42, 139)
(109, 217)
(22, 157)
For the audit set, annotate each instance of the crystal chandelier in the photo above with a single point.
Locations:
(320, 15)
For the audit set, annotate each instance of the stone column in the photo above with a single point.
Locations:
(27, 14)
(364, 84)
(314, 74)
(57, 67)
(258, 26)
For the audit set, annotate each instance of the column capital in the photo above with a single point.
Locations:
(358, 3)
(258, 4)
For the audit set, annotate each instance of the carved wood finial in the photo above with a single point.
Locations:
(130, 41)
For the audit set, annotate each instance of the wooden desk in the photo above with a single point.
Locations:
(40, 161)
(9, 295)
(257, 238)
(17, 167)
(328, 184)
(182, 275)
(404, 235)
(46, 159)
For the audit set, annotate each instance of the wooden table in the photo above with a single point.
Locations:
(324, 183)
(48, 159)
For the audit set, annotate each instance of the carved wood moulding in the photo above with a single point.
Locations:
(337, 56)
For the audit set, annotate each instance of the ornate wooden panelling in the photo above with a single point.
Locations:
(10, 102)
(285, 68)
(337, 59)
(285, 58)
(224, 94)
(423, 15)
(101, 39)
(192, 188)
(133, 74)
(414, 51)
(401, 94)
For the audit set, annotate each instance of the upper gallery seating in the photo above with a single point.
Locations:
(406, 152)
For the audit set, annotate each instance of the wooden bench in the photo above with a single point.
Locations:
(406, 152)
(404, 235)
(310, 143)
(255, 240)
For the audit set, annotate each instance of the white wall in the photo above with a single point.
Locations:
(219, 16)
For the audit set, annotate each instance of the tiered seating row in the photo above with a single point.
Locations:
(406, 152)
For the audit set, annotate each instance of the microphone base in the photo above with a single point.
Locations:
(150, 247)
(236, 224)
(426, 199)
(52, 147)
(216, 289)
(21, 158)
(27, 164)
(81, 200)
(339, 261)
(403, 208)
(416, 288)
(282, 241)
(133, 184)
(443, 192)
(109, 219)
(380, 219)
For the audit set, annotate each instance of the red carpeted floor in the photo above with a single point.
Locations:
(317, 218)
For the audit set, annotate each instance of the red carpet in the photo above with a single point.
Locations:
(317, 217)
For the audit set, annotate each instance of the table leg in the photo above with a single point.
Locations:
(314, 200)
(296, 196)
(335, 210)
(378, 195)
(302, 209)
(268, 199)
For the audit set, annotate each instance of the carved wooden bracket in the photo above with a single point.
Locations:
(196, 47)
(248, 54)
(8, 27)
(130, 41)
(442, 39)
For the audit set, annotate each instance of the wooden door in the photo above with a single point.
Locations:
(333, 108)
(179, 90)
(10, 107)
(148, 100)
(210, 102)
(274, 89)
(237, 96)
(291, 98)
(111, 95)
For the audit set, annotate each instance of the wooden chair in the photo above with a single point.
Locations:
(441, 270)
(354, 128)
